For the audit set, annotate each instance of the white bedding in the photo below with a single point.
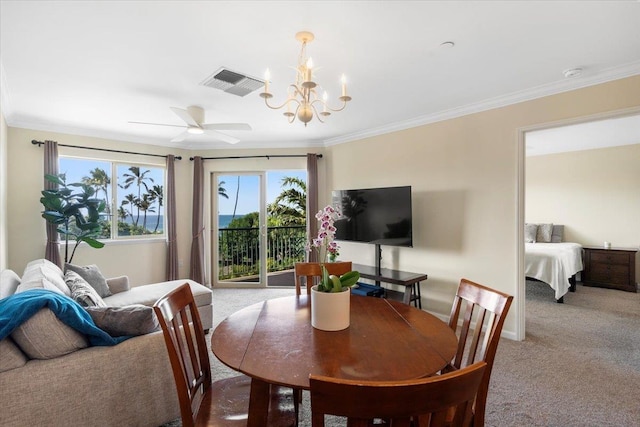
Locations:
(553, 263)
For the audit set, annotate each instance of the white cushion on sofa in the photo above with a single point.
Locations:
(9, 282)
(149, 294)
(41, 274)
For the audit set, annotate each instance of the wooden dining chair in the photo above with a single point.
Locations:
(203, 402)
(312, 272)
(441, 400)
(483, 312)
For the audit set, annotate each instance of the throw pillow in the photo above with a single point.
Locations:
(10, 355)
(530, 231)
(82, 292)
(130, 320)
(544, 233)
(9, 282)
(557, 235)
(44, 336)
(35, 275)
(118, 284)
(93, 276)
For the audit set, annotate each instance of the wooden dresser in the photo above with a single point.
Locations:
(610, 268)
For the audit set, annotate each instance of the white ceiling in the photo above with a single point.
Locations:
(584, 136)
(90, 67)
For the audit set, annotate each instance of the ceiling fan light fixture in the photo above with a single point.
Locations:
(193, 130)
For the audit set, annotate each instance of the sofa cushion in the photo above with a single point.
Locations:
(43, 336)
(118, 284)
(129, 320)
(82, 292)
(149, 294)
(93, 276)
(9, 282)
(43, 274)
(10, 355)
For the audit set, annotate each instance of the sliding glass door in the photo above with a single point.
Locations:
(239, 232)
(258, 227)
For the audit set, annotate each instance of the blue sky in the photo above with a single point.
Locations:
(76, 169)
(249, 190)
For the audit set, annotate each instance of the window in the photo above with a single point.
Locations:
(134, 199)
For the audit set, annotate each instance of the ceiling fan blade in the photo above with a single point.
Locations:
(156, 124)
(227, 126)
(180, 137)
(184, 115)
(223, 136)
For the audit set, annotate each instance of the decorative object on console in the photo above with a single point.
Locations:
(302, 93)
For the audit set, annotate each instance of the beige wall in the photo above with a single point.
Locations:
(594, 193)
(464, 174)
(3, 193)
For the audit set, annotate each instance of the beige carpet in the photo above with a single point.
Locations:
(579, 364)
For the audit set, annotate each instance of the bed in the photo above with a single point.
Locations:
(555, 263)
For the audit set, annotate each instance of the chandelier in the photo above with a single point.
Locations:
(302, 96)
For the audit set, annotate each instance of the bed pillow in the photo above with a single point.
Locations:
(82, 292)
(9, 282)
(530, 232)
(544, 233)
(557, 235)
(92, 275)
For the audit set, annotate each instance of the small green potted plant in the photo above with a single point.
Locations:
(76, 213)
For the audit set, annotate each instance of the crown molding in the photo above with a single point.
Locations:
(184, 145)
(610, 74)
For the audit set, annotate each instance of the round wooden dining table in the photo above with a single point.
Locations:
(273, 342)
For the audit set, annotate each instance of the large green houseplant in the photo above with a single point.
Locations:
(75, 211)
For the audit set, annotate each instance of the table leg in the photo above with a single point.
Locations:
(258, 403)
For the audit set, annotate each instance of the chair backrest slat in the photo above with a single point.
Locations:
(430, 400)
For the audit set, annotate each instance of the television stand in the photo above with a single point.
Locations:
(411, 282)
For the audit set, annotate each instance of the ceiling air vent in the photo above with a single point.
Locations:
(232, 82)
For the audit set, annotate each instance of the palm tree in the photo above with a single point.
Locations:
(100, 181)
(157, 195)
(132, 200)
(235, 206)
(290, 207)
(139, 179)
(146, 206)
(222, 191)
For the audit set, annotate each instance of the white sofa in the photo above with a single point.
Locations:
(128, 384)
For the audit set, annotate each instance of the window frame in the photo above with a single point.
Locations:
(114, 238)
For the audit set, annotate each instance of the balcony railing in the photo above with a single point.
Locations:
(239, 250)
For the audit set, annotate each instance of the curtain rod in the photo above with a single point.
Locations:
(255, 157)
(39, 143)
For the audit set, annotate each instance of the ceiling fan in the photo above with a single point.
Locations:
(193, 117)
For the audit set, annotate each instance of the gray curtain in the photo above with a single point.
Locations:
(312, 201)
(170, 220)
(196, 272)
(52, 253)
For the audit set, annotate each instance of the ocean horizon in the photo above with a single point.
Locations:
(223, 221)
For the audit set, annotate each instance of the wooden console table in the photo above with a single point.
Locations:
(411, 282)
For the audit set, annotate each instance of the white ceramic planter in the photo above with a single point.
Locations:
(330, 311)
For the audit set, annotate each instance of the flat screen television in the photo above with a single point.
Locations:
(379, 216)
